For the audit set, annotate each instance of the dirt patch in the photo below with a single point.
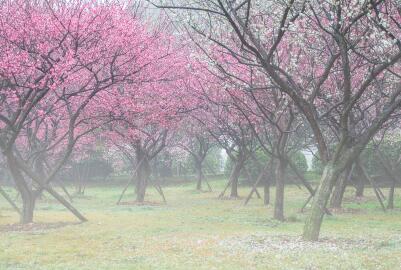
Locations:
(145, 203)
(34, 227)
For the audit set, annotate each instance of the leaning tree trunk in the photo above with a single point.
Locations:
(235, 178)
(338, 193)
(143, 174)
(280, 182)
(27, 195)
(313, 223)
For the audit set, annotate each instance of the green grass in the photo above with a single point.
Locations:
(197, 231)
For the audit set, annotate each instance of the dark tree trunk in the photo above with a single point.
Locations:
(235, 177)
(27, 195)
(199, 175)
(266, 190)
(359, 185)
(28, 206)
(338, 193)
(143, 174)
(269, 176)
(280, 183)
(390, 203)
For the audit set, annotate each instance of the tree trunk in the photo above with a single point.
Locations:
(26, 192)
(199, 175)
(314, 221)
(270, 175)
(266, 189)
(390, 202)
(143, 174)
(393, 176)
(376, 189)
(338, 193)
(360, 185)
(28, 206)
(17, 164)
(235, 177)
(280, 182)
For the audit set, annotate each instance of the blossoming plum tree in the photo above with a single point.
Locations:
(55, 58)
(327, 56)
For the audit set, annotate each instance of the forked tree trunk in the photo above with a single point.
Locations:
(338, 193)
(313, 223)
(280, 183)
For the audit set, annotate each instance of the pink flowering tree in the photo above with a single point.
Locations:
(327, 56)
(269, 116)
(220, 118)
(197, 143)
(55, 58)
(145, 113)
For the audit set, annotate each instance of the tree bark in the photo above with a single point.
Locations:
(199, 175)
(26, 192)
(143, 174)
(28, 207)
(314, 221)
(280, 183)
(266, 190)
(268, 180)
(235, 177)
(359, 185)
(338, 193)
(390, 202)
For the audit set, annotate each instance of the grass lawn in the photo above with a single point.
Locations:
(197, 231)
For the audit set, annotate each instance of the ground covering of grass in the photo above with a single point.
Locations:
(194, 230)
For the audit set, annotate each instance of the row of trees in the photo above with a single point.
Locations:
(336, 63)
(254, 77)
